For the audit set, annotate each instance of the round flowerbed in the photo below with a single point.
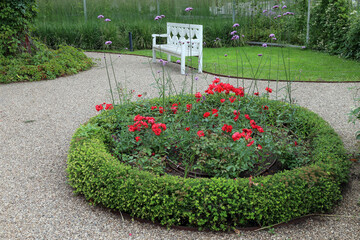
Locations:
(244, 160)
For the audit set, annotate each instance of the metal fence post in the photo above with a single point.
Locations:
(308, 23)
(85, 14)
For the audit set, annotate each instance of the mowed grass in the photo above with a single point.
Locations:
(275, 63)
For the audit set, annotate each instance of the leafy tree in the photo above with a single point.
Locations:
(16, 17)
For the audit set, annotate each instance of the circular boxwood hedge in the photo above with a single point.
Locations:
(213, 203)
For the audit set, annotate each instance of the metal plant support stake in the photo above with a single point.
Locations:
(85, 14)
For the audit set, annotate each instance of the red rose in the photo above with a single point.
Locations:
(236, 136)
(215, 111)
(161, 110)
(268, 89)
(200, 133)
(98, 107)
(153, 107)
(187, 129)
(251, 143)
(256, 94)
(206, 114)
(198, 95)
(222, 100)
(139, 95)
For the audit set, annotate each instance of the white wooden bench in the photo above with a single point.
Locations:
(183, 40)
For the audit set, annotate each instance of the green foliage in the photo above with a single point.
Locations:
(351, 47)
(218, 204)
(330, 23)
(16, 19)
(44, 64)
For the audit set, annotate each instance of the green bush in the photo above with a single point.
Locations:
(16, 19)
(218, 204)
(352, 41)
(45, 64)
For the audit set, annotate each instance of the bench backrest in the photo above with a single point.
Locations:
(184, 32)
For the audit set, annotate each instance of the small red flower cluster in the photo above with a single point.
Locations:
(188, 107)
(227, 128)
(237, 114)
(100, 107)
(201, 133)
(219, 87)
(142, 123)
(174, 108)
(268, 89)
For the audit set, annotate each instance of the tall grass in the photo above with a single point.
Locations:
(64, 21)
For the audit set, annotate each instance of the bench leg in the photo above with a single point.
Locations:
(200, 63)
(154, 56)
(183, 64)
(169, 58)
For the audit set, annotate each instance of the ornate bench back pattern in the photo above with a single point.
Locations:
(179, 32)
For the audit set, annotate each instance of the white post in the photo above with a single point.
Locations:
(308, 23)
(85, 15)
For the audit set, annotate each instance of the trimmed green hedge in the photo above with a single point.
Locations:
(218, 204)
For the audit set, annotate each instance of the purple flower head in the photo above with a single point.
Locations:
(188, 9)
(233, 32)
(303, 47)
(264, 45)
(243, 36)
(271, 35)
(107, 20)
(235, 37)
(204, 43)
(236, 25)
(162, 16)
(275, 17)
(275, 7)
(108, 42)
(163, 62)
(218, 39)
(284, 7)
(284, 14)
(157, 18)
(279, 16)
(264, 11)
(225, 55)
(159, 71)
(274, 38)
(177, 61)
(204, 98)
(291, 13)
(196, 78)
(260, 55)
(100, 16)
(126, 48)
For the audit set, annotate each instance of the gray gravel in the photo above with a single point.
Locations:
(37, 120)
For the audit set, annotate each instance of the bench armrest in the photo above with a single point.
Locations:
(157, 35)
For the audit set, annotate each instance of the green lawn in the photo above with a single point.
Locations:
(300, 64)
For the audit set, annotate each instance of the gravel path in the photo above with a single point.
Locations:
(37, 120)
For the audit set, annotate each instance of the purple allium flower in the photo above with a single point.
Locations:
(264, 45)
(157, 18)
(225, 55)
(189, 9)
(275, 7)
(108, 42)
(271, 35)
(233, 32)
(162, 16)
(284, 7)
(284, 14)
(303, 47)
(196, 78)
(178, 61)
(264, 11)
(107, 20)
(236, 25)
(275, 17)
(279, 16)
(243, 36)
(100, 16)
(274, 38)
(235, 37)
(260, 55)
